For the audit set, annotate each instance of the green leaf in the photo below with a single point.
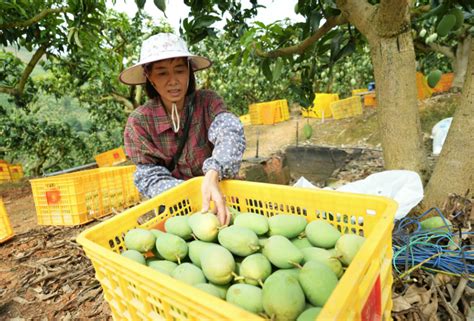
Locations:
(140, 4)
(160, 4)
(315, 19)
(348, 49)
(335, 45)
(204, 21)
(266, 69)
(277, 69)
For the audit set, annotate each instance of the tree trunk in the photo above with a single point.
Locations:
(454, 171)
(387, 29)
(460, 62)
(398, 118)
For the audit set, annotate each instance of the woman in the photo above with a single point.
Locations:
(180, 132)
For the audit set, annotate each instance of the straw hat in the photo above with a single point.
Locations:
(159, 47)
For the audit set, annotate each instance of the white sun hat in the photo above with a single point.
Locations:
(159, 47)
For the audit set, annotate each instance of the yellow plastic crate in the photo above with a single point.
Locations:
(78, 198)
(16, 172)
(245, 119)
(6, 231)
(322, 103)
(137, 292)
(111, 157)
(359, 91)
(309, 113)
(5, 175)
(270, 112)
(348, 107)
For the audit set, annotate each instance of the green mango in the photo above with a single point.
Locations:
(209, 288)
(256, 222)
(162, 266)
(205, 226)
(140, 240)
(433, 78)
(287, 225)
(195, 249)
(347, 247)
(178, 225)
(218, 264)
(239, 240)
(318, 281)
(309, 314)
(281, 252)
(134, 255)
(282, 296)
(188, 273)
(323, 256)
(322, 234)
(446, 24)
(255, 269)
(246, 296)
(171, 247)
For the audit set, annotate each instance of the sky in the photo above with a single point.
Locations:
(176, 10)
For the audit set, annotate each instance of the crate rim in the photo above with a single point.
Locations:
(353, 269)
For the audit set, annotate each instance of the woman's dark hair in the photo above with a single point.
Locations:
(151, 91)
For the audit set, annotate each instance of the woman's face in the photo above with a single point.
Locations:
(170, 78)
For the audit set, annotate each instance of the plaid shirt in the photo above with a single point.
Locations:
(216, 141)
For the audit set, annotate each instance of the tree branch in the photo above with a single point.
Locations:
(120, 99)
(359, 13)
(33, 20)
(8, 90)
(446, 51)
(31, 65)
(301, 47)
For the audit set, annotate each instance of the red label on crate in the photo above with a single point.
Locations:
(116, 155)
(372, 310)
(15, 170)
(1, 169)
(53, 197)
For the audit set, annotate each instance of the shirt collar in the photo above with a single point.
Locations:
(163, 120)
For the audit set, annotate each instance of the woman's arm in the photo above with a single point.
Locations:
(152, 180)
(226, 133)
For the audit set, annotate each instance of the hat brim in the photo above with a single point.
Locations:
(135, 75)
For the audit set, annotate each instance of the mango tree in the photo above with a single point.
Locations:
(444, 28)
(387, 27)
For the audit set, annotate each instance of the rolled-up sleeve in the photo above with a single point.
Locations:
(152, 180)
(226, 133)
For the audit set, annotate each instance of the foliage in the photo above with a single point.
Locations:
(228, 72)
(435, 50)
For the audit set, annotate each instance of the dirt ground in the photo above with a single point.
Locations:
(44, 274)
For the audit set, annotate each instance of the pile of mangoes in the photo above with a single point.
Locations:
(280, 266)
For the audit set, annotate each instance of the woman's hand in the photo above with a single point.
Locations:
(211, 192)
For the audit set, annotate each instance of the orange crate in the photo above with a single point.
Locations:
(444, 84)
(16, 172)
(348, 107)
(5, 175)
(6, 231)
(111, 157)
(137, 292)
(370, 100)
(78, 198)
